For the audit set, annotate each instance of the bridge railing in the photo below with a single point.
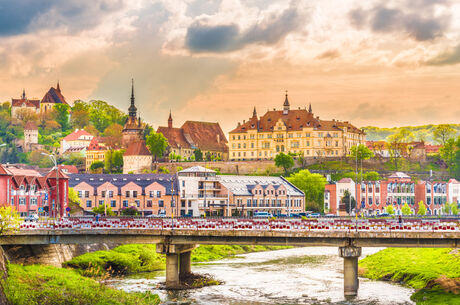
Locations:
(346, 225)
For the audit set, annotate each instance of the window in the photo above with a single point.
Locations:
(125, 203)
(161, 203)
(149, 203)
(80, 194)
(101, 202)
(87, 194)
(113, 203)
(151, 194)
(158, 194)
(88, 203)
(134, 194)
(138, 203)
(127, 194)
(103, 193)
(111, 194)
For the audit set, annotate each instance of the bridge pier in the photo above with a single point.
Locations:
(350, 256)
(178, 262)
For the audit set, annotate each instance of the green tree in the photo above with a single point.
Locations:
(9, 220)
(284, 161)
(157, 144)
(421, 208)
(96, 166)
(349, 201)
(361, 152)
(396, 145)
(113, 161)
(79, 117)
(61, 115)
(73, 196)
(389, 209)
(198, 155)
(450, 209)
(102, 115)
(313, 187)
(443, 132)
(406, 209)
(104, 209)
(372, 176)
(129, 211)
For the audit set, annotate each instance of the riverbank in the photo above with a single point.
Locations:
(129, 259)
(47, 285)
(435, 273)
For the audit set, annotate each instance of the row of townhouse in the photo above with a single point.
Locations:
(30, 192)
(372, 197)
(194, 191)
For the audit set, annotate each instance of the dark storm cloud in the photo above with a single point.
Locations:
(23, 16)
(417, 21)
(448, 58)
(224, 38)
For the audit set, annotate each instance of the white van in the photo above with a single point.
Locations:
(262, 215)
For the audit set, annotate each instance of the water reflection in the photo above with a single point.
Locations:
(292, 276)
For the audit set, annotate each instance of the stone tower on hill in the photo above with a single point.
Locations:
(133, 129)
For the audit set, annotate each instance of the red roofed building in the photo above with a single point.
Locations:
(133, 129)
(432, 149)
(94, 152)
(51, 98)
(31, 193)
(22, 105)
(205, 136)
(78, 139)
(296, 131)
(137, 158)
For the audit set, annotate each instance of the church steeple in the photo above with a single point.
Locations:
(57, 87)
(309, 109)
(286, 104)
(170, 120)
(132, 110)
(254, 113)
(23, 96)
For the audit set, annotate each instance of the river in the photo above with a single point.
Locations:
(291, 276)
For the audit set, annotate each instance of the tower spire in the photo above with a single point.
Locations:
(309, 109)
(254, 112)
(132, 109)
(57, 87)
(286, 104)
(23, 94)
(170, 120)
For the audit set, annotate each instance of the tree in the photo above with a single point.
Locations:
(96, 167)
(372, 176)
(113, 135)
(447, 152)
(421, 208)
(79, 114)
(198, 154)
(9, 220)
(396, 144)
(73, 196)
(406, 209)
(361, 152)
(443, 132)
(390, 210)
(349, 201)
(26, 115)
(129, 211)
(450, 209)
(284, 161)
(313, 187)
(157, 144)
(61, 115)
(101, 115)
(104, 209)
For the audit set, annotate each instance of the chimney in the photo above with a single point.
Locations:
(218, 138)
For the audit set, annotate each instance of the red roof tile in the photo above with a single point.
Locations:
(94, 145)
(205, 135)
(26, 102)
(54, 96)
(77, 134)
(137, 149)
(175, 136)
(30, 126)
(71, 169)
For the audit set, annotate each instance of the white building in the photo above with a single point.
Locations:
(453, 191)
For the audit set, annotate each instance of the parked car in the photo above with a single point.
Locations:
(262, 215)
(31, 218)
(384, 215)
(314, 215)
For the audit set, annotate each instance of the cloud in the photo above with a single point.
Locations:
(25, 16)
(418, 22)
(447, 58)
(202, 37)
(329, 54)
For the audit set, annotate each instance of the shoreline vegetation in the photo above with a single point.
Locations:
(433, 272)
(78, 282)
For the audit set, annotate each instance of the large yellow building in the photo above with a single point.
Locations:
(296, 131)
(94, 152)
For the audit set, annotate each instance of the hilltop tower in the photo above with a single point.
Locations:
(132, 131)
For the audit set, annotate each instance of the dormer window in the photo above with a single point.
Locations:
(21, 187)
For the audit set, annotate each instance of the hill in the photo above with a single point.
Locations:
(423, 132)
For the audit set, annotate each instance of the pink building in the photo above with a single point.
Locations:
(31, 193)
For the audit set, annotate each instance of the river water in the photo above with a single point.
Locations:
(291, 276)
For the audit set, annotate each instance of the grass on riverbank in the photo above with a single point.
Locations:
(434, 272)
(47, 285)
(128, 259)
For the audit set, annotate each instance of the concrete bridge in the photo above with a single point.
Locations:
(176, 238)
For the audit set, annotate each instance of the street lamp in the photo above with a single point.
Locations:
(53, 158)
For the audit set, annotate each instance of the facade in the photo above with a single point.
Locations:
(30, 136)
(94, 152)
(51, 98)
(204, 192)
(205, 136)
(137, 158)
(453, 191)
(133, 129)
(296, 131)
(149, 193)
(29, 192)
(76, 141)
(373, 197)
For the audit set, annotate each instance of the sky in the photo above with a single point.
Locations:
(375, 62)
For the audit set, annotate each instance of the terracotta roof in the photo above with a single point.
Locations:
(205, 135)
(77, 134)
(175, 136)
(432, 148)
(30, 126)
(54, 96)
(3, 171)
(26, 102)
(345, 180)
(52, 174)
(70, 169)
(94, 145)
(137, 149)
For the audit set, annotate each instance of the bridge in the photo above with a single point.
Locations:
(176, 238)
